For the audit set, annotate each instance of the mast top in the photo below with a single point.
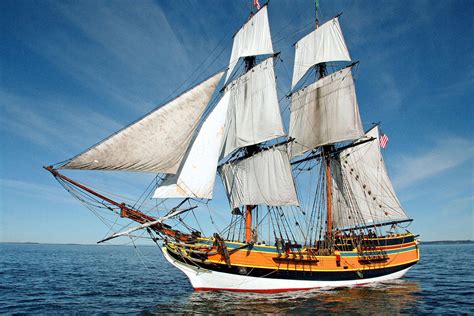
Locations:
(317, 12)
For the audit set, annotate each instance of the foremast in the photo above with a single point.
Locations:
(254, 118)
(250, 62)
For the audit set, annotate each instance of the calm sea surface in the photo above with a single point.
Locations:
(122, 279)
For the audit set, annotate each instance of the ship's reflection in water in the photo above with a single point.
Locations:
(399, 296)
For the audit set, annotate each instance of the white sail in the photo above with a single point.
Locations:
(324, 44)
(264, 178)
(365, 184)
(343, 204)
(197, 174)
(252, 39)
(325, 112)
(254, 114)
(155, 143)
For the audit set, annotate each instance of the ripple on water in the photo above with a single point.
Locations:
(113, 279)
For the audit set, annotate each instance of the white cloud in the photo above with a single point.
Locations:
(463, 84)
(135, 35)
(49, 124)
(459, 206)
(52, 193)
(446, 154)
(390, 94)
(115, 50)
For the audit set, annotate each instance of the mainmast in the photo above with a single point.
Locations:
(321, 73)
(320, 68)
(327, 152)
(325, 112)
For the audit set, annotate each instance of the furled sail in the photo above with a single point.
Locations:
(364, 175)
(254, 114)
(324, 44)
(155, 143)
(197, 174)
(264, 178)
(325, 112)
(252, 39)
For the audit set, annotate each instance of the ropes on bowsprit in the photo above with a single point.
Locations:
(94, 204)
(107, 210)
(148, 191)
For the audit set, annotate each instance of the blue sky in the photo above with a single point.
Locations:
(73, 72)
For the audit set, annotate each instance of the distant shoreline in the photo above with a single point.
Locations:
(447, 242)
(436, 242)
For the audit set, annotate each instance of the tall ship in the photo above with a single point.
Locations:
(308, 207)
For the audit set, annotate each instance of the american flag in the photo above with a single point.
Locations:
(256, 4)
(383, 140)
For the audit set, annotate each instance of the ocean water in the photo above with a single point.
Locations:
(123, 279)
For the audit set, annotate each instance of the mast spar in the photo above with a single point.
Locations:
(327, 150)
(249, 64)
(321, 73)
(317, 11)
(321, 68)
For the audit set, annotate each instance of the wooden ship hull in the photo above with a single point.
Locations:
(262, 268)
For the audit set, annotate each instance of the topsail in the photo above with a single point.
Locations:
(324, 44)
(252, 39)
(155, 143)
(254, 114)
(325, 112)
